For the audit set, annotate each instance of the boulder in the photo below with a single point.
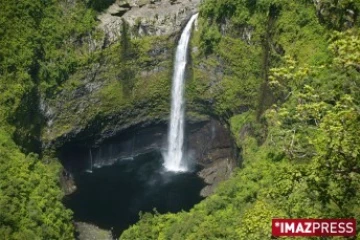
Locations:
(88, 231)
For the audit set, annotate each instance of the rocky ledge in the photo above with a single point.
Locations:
(147, 17)
(209, 144)
(215, 150)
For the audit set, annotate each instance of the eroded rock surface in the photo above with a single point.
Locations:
(147, 17)
(214, 149)
(208, 143)
(216, 173)
(88, 231)
(67, 182)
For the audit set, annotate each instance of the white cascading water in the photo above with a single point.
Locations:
(174, 157)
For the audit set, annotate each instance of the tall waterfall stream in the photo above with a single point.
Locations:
(174, 158)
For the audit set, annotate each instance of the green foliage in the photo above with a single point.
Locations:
(274, 181)
(210, 38)
(39, 49)
(134, 88)
(346, 47)
(337, 160)
(298, 33)
(30, 199)
(45, 53)
(243, 76)
(127, 73)
(242, 40)
(61, 54)
(301, 157)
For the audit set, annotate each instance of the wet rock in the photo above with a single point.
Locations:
(213, 148)
(216, 173)
(208, 143)
(88, 231)
(67, 182)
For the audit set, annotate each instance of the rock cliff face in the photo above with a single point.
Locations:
(101, 112)
(87, 231)
(213, 148)
(147, 17)
(95, 102)
(208, 144)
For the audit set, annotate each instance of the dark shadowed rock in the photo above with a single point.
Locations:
(214, 149)
(67, 182)
(208, 143)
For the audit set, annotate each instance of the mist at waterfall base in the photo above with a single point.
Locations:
(111, 197)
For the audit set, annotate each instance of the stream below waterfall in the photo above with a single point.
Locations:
(113, 196)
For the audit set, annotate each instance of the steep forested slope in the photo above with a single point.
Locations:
(37, 53)
(299, 137)
(283, 75)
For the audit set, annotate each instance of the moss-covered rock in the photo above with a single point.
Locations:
(100, 98)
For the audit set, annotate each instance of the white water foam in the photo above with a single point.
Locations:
(174, 157)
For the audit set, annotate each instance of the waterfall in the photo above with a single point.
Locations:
(91, 162)
(174, 157)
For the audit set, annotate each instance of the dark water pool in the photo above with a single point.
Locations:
(113, 196)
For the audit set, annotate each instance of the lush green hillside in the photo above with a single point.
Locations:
(47, 49)
(37, 53)
(300, 79)
(284, 75)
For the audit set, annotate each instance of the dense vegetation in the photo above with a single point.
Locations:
(299, 139)
(285, 78)
(47, 49)
(126, 87)
(37, 54)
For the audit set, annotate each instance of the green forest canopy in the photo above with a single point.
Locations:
(301, 154)
(37, 53)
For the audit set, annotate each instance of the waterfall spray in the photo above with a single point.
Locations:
(174, 158)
